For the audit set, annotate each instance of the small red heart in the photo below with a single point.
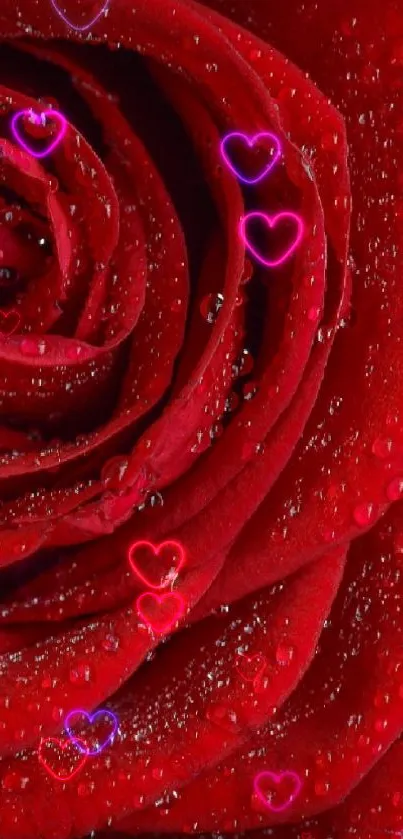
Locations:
(160, 613)
(156, 565)
(250, 667)
(62, 758)
(9, 321)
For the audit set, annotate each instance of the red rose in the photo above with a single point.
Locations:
(160, 384)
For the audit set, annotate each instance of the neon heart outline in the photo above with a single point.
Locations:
(91, 718)
(6, 315)
(156, 550)
(277, 777)
(63, 747)
(36, 119)
(72, 25)
(169, 594)
(271, 221)
(251, 140)
(250, 658)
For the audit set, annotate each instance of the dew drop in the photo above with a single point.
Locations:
(314, 313)
(74, 351)
(81, 674)
(210, 307)
(110, 643)
(364, 514)
(231, 403)
(247, 272)
(177, 304)
(250, 390)
(394, 489)
(113, 472)
(382, 448)
(223, 716)
(285, 654)
(216, 431)
(33, 347)
(321, 788)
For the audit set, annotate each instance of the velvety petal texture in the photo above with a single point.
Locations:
(201, 437)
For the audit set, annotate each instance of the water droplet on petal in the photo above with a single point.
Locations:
(80, 674)
(285, 654)
(33, 346)
(110, 643)
(223, 716)
(113, 472)
(74, 351)
(364, 514)
(247, 273)
(382, 448)
(231, 403)
(313, 313)
(322, 787)
(394, 489)
(210, 307)
(250, 390)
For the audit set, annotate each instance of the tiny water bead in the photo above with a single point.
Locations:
(364, 514)
(210, 307)
(382, 448)
(33, 347)
(284, 654)
(80, 674)
(394, 489)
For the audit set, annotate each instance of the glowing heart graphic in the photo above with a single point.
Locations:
(37, 119)
(52, 749)
(255, 140)
(86, 26)
(9, 322)
(160, 612)
(166, 559)
(251, 667)
(271, 222)
(102, 716)
(287, 785)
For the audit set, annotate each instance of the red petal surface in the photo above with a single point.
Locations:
(161, 385)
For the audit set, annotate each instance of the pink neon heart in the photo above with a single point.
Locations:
(169, 550)
(251, 142)
(160, 612)
(68, 22)
(279, 779)
(28, 112)
(272, 221)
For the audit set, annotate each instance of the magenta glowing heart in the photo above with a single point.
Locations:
(156, 565)
(251, 141)
(160, 612)
(36, 120)
(86, 26)
(272, 222)
(287, 784)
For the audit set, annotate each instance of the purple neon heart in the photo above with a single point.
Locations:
(68, 22)
(251, 141)
(277, 777)
(37, 119)
(91, 719)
